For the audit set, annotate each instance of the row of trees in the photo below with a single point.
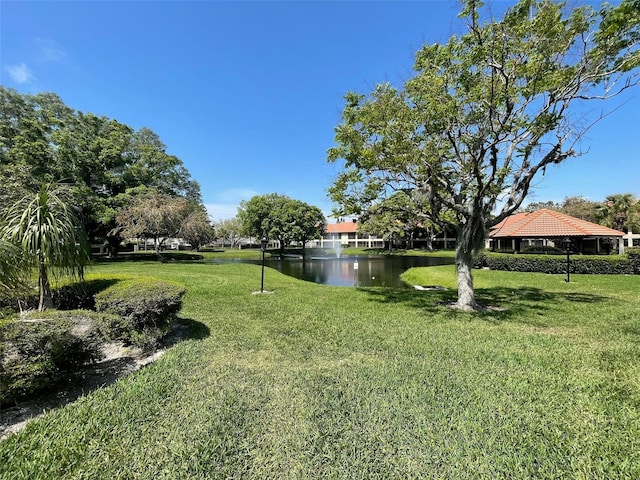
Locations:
(484, 115)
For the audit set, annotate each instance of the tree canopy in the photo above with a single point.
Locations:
(620, 211)
(157, 215)
(485, 113)
(43, 140)
(576, 206)
(281, 218)
(229, 230)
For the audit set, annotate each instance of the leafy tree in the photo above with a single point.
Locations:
(229, 230)
(306, 222)
(580, 207)
(485, 114)
(391, 219)
(549, 205)
(50, 234)
(154, 215)
(620, 211)
(42, 140)
(259, 216)
(280, 217)
(196, 228)
(149, 164)
(26, 127)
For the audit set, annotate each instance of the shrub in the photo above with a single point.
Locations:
(542, 249)
(38, 348)
(80, 295)
(633, 254)
(553, 264)
(147, 305)
(69, 296)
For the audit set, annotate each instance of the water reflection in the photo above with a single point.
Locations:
(360, 271)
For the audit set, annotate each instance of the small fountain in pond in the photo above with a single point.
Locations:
(337, 248)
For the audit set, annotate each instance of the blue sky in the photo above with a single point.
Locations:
(247, 94)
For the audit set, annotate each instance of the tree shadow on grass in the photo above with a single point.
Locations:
(118, 363)
(524, 304)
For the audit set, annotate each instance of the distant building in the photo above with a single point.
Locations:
(346, 234)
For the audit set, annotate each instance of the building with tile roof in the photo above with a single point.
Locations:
(346, 234)
(548, 227)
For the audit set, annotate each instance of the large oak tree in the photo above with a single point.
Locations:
(485, 114)
(43, 140)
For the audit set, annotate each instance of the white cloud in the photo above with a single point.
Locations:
(221, 211)
(20, 73)
(50, 50)
(233, 195)
(226, 202)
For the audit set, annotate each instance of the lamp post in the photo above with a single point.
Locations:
(566, 243)
(263, 245)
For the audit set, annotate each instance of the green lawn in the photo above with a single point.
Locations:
(328, 382)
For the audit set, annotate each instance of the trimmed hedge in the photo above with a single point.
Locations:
(634, 258)
(147, 305)
(556, 264)
(542, 249)
(70, 296)
(37, 349)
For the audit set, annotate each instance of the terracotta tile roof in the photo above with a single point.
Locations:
(342, 227)
(546, 223)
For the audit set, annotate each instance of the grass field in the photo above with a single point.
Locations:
(328, 382)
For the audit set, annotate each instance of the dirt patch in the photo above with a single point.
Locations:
(119, 360)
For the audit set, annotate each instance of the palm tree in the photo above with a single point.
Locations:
(13, 275)
(50, 235)
(619, 211)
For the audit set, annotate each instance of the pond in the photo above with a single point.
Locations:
(361, 271)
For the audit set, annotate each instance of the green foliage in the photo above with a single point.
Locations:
(196, 228)
(557, 264)
(148, 305)
(229, 231)
(282, 218)
(152, 214)
(44, 140)
(619, 211)
(38, 348)
(50, 235)
(484, 115)
(14, 270)
(332, 382)
(634, 257)
(533, 249)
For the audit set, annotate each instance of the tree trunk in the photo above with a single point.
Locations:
(464, 263)
(46, 300)
(429, 239)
